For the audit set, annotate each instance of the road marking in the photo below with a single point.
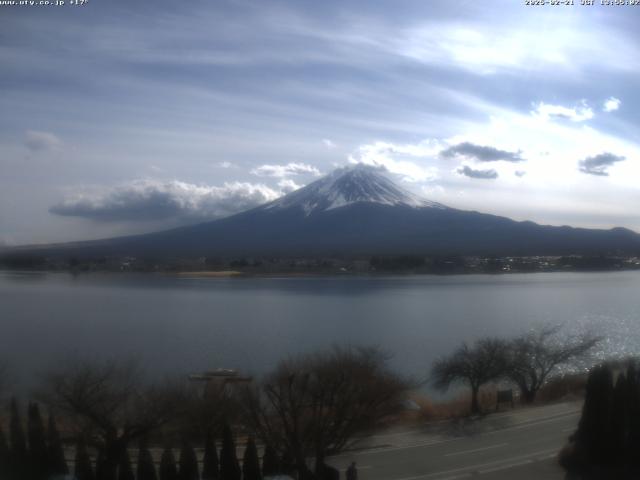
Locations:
(454, 454)
(471, 469)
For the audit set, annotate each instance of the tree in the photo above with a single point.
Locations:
(250, 462)
(474, 365)
(4, 455)
(18, 452)
(146, 470)
(270, 463)
(114, 403)
(38, 455)
(188, 463)
(534, 357)
(318, 404)
(229, 467)
(125, 470)
(168, 470)
(83, 469)
(210, 464)
(55, 451)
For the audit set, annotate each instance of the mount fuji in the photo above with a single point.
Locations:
(359, 211)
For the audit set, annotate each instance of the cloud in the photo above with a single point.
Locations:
(329, 143)
(481, 153)
(611, 104)
(281, 171)
(226, 165)
(143, 200)
(399, 159)
(287, 185)
(520, 173)
(598, 164)
(37, 141)
(580, 113)
(473, 173)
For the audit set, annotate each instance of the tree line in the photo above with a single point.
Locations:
(307, 408)
(527, 361)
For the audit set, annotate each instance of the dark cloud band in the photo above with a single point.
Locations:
(481, 174)
(598, 164)
(481, 153)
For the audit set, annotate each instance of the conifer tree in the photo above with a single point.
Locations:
(210, 464)
(55, 451)
(288, 464)
(4, 455)
(595, 424)
(633, 405)
(229, 467)
(270, 463)
(38, 457)
(146, 469)
(18, 451)
(168, 470)
(125, 470)
(83, 469)
(188, 463)
(250, 462)
(619, 421)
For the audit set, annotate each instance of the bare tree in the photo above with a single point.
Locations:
(315, 405)
(474, 365)
(111, 405)
(534, 357)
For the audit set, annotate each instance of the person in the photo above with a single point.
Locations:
(352, 472)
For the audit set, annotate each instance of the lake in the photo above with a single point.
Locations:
(183, 325)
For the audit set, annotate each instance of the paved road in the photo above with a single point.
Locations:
(522, 445)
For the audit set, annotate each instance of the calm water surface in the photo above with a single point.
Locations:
(189, 324)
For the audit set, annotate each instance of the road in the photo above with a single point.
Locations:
(522, 444)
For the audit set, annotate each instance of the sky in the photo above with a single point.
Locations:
(126, 117)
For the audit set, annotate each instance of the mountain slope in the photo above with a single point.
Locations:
(358, 211)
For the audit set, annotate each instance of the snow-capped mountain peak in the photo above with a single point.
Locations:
(345, 186)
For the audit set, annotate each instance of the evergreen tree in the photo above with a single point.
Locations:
(250, 462)
(288, 464)
(229, 467)
(594, 429)
(633, 405)
(102, 472)
(4, 455)
(18, 451)
(146, 468)
(188, 463)
(168, 470)
(210, 464)
(270, 463)
(619, 421)
(55, 451)
(125, 470)
(38, 455)
(83, 469)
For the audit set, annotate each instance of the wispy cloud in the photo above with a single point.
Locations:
(480, 174)
(579, 113)
(599, 164)
(37, 141)
(287, 185)
(281, 171)
(330, 144)
(147, 200)
(481, 153)
(611, 104)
